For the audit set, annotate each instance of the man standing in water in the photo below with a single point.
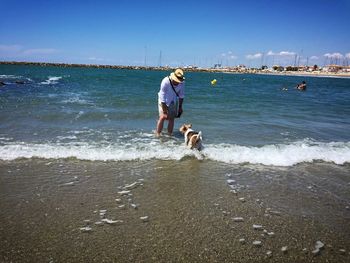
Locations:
(171, 92)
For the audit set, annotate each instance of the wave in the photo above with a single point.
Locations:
(12, 77)
(282, 154)
(9, 76)
(274, 155)
(77, 100)
(51, 81)
(85, 151)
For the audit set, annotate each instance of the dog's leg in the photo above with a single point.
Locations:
(193, 141)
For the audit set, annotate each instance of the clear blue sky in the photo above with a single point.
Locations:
(184, 32)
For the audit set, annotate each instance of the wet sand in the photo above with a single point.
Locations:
(190, 207)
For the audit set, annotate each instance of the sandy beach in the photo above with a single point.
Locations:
(75, 211)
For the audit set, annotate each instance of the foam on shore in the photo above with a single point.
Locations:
(274, 154)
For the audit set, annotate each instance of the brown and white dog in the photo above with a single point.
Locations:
(193, 139)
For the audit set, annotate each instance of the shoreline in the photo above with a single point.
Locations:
(188, 69)
(307, 74)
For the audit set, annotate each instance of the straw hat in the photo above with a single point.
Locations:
(177, 75)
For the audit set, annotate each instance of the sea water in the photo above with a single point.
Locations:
(110, 115)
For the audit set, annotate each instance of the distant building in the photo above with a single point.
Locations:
(332, 68)
(346, 69)
(277, 68)
(190, 67)
(302, 68)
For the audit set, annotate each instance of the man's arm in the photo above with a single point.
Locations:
(180, 104)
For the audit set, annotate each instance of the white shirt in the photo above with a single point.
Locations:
(166, 93)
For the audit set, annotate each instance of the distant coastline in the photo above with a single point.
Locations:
(234, 70)
(72, 65)
(308, 74)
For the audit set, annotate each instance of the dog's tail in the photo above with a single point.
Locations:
(198, 142)
(199, 137)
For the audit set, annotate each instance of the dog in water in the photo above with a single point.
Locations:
(193, 139)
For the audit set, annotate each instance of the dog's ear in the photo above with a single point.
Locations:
(187, 126)
(183, 128)
(190, 125)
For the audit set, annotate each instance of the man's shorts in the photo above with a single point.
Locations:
(172, 110)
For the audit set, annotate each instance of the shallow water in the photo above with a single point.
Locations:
(105, 114)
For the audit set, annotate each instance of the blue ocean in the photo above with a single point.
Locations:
(99, 114)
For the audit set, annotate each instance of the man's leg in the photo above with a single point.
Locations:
(171, 126)
(160, 124)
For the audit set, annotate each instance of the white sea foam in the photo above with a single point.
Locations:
(10, 76)
(84, 151)
(5, 139)
(281, 154)
(77, 100)
(70, 137)
(51, 80)
(275, 155)
(14, 77)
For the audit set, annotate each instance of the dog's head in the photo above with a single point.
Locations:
(185, 127)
